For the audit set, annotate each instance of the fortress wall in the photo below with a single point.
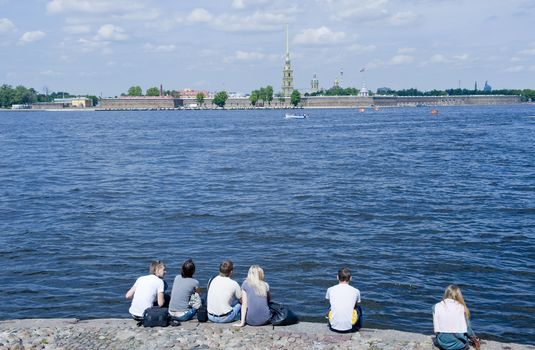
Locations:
(140, 103)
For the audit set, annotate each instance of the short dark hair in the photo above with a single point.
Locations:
(188, 268)
(344, 275)
(226, 267)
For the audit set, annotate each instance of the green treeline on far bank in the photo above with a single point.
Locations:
(22, 95)
(526, 94)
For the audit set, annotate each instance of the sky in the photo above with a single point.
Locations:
(102, 47)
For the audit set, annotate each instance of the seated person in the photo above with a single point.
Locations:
(345, 314)
(184, 287)
(254, 299)
(451, 322)
(147, 290)
(223, 296)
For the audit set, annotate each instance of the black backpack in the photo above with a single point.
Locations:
(281, 315)
(155, 316)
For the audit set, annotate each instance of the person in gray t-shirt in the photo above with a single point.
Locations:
(184, 287)
(255, 299)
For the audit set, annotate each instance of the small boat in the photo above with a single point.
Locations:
(296, 116)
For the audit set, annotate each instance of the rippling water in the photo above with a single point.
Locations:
(410, 202)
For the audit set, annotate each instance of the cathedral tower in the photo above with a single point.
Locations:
(287, 77)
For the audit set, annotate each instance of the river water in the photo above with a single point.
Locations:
(410, 202)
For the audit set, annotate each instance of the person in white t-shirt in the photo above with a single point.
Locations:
(345, 315)
(451, 322)
(147, 290)
(224, 296)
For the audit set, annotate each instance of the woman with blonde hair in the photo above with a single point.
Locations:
(451, 322)
(255, 299)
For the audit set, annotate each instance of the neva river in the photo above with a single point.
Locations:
(408, 201)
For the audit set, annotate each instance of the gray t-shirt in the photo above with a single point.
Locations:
(257, 307)
(183, 288)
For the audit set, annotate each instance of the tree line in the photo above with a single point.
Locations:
(526, 94)
(21, 95)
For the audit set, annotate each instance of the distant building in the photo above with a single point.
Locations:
(61, 103)
(287, 74)
(487, 87)
(191, 93)
(364, 92)
(314, 84)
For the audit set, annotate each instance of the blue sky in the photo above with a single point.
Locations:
(103, 47)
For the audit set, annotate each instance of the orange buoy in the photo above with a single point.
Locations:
(434, 111)
(361, 109)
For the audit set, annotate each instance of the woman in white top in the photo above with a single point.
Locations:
(451, 322)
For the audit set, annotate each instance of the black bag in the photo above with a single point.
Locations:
(155, 316)
(202, 312)
(281, 315)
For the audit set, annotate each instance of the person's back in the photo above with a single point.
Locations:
(147, 290)
(451, 321)
(223, 296)
(184, 286)
(255, 298)
(343, 315)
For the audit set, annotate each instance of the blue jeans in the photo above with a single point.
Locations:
(234, 315)
(186, 316)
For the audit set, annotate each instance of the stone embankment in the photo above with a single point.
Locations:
(124, 334)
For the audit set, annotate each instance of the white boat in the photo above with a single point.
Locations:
(296, 116)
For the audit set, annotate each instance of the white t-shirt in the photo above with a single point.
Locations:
(147, 289)
(343, 298)
(222, 294)
(449, 317)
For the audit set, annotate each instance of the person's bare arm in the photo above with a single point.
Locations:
(161, 299)
(130, 293)
(243, 309)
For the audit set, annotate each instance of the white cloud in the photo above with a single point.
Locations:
(50, 72)
(363, 10)
(30, 37)
(257, 22)
(159, 48)
(532, 68)
(241, 4)
(462, 57)
(528, 52)
(199, 15)
(77, 29)
(406, 49)
(248, 56)
(321, 36)
(111, 32)
(362, 48)
(93, 6)
(438, 58)
(6, 25)
(403, 18)
(401, 59)
(93, 45)
(515, 69)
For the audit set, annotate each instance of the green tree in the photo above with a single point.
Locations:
(220, 99)
(269, 94)
(94, 99)
(254, 97)
(24, 95)
(6, 95)
(200, 98)
(135, 91)
(153, 91)
(295, 98)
